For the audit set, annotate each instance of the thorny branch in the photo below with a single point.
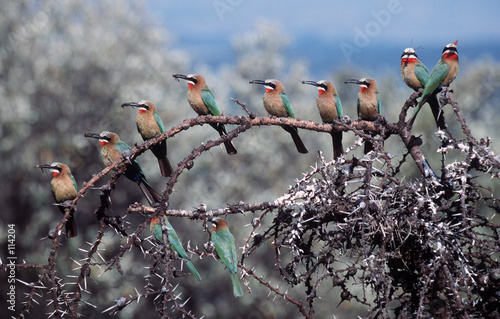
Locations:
(423, 248)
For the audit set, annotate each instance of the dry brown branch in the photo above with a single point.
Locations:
(421, 248)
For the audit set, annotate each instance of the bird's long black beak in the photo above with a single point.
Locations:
(258, 82)
(42, 166)
(353, 81)
(310, 83)
(180, 76)
(93, 135)
(131, 104)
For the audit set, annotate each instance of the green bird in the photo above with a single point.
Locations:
(203, 102)
(368, 103)
(64, 188)
(112, 149)
(415, 74)
(149, 125)
(443, 73)
(224, 245)
(277, 103)
(330, 108)
(175, 243)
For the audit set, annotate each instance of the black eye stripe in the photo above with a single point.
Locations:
(271, 85)
(454, 49)
(409, 55)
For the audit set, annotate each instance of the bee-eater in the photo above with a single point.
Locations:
(175, 243)
(330, 108)
(415, 74)
(203, 102)
(63, 188)
(224, 245)
(443, 73)
(149, 125)
(368, 103)
(277, 103)
(112, 148)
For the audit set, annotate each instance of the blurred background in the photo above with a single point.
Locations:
(67, 66)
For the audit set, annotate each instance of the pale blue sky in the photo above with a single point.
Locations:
(361, 26)
(424, 20)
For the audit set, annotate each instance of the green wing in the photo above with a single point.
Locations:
(422, 74)
(136, 172)
(210, 102)
(175, 244)
(378, 103)
(74, 182)
(174, 241)
(122, 146)
(156, 230)
(224, 245)
(287, 104)
(437, 76)
(159, 121)
(359, 115)
(338, 105)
